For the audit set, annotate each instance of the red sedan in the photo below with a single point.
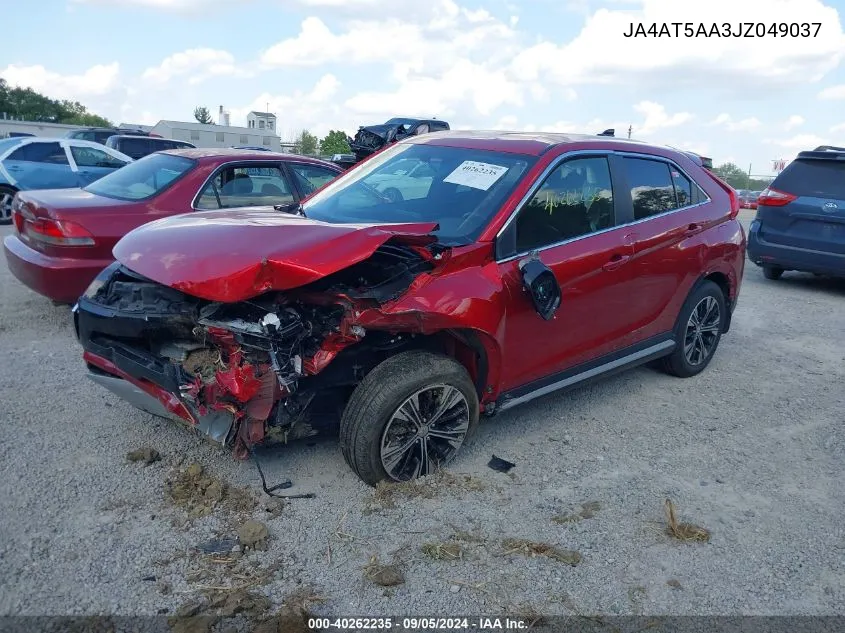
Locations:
(64, 237)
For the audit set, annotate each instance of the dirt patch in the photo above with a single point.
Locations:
(531, 548)
(204, 362)
(388, 493)
(383, 575)
(146, 455)
(586, 510)
(200, 493)
(683, 531)
(294, 615)
(253, 535)
(443, 551)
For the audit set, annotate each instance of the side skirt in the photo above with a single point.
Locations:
(597, 369)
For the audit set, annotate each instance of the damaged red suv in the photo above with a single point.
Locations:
(451, 275)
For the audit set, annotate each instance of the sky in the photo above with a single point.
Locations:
(533, 65)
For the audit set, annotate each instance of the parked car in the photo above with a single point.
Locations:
(800, 221)
(372, 138)
(28, 163)
(531, 264)
(140, 146)
(747, 198)
(65, 237)
(102, 134)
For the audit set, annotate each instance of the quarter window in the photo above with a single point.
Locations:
(245, 187)
(92, 157)
(311, 177)
(575, 199)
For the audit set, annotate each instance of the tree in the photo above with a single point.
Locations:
(335, 142)
(305, 143)
(202, 115)
(733, 175)
(26, 104)
(78, 115)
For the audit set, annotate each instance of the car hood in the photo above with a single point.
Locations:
(234, 255)
(381, 130)
(69, 199)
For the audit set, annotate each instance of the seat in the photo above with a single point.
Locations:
(270, 189)
(239, 185)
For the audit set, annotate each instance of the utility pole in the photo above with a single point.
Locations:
(749, 175)
(630, 127)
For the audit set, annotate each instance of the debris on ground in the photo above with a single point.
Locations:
(586, 510)
(443, 551)
(387, 493)
(683, 531)
(531, 548)
(200, 493)
(293, 616)
(146, 454)
(499, 464)
(253, 535)
(217, 546)
(274, 507)
(383, 575)
(674, 583)
(230, 603)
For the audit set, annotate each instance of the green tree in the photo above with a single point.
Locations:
(335, 142)
(305, 143)
(25, 103)
(202, 115)
(733, 175)
(78, 115)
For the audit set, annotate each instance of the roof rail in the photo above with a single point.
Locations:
(829, 148)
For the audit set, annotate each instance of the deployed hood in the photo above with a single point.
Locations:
(234, 255)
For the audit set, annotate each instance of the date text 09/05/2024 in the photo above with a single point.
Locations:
(725, 29)
(475, 624)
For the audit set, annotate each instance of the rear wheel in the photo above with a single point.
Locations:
(772, 272)
(698, 331)
(408, 417)
(7, 194)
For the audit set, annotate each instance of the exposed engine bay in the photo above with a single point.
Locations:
(278, 366)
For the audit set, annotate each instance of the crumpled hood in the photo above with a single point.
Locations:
(381, 130)
(236, 254)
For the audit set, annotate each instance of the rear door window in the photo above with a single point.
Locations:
(245, 186)
(652, 189)
(52, 153)
(815, 178)
(134, 147)
(93, 157)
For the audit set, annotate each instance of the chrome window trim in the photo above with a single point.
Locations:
(592, 152)
(217, 170)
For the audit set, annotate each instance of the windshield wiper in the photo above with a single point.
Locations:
(293, 208)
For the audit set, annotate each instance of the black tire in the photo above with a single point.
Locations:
(772, 272)
(679, 363)
(5, 213)
(380, 395)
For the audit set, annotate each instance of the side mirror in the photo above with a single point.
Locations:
(540, 282)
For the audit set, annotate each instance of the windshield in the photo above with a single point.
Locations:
(458, 188)
(142, 179)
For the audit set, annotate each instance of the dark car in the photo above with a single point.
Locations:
(505, 266)
(800, 221)
(65, 237)
(140, 146)
(102, 134)
(372, 138)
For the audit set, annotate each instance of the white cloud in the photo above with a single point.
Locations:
(838, 128)
(97, 80)
(656, 117)
(743, 125)
(794, 121)
(799, 142)
(197, 64)
(833, 92)
(601, 54)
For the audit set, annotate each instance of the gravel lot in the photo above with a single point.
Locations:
(752, 450)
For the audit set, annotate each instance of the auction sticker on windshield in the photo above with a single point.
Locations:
(476, 175)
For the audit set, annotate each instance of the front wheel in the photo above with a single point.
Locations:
(698, 332)
(408, 417)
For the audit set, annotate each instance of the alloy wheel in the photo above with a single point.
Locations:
(6, 206)
(702, 332)
(424, 432)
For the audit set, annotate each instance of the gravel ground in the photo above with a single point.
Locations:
(752, 450)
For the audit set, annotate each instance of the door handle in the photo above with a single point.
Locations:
(13, 168)
(692, 228)
(616, 261)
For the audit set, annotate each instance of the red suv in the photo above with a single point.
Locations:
(450, 275)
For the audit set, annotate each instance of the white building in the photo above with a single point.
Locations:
(261, 121)
(203, 135)
(36, 128)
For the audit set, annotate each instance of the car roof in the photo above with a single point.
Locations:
(56, 139)
(220, 154)
(529, 143)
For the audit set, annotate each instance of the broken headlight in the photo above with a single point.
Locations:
(100, 280)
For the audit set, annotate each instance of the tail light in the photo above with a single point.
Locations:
(775, 198)
(734, 198)
(50, 231)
